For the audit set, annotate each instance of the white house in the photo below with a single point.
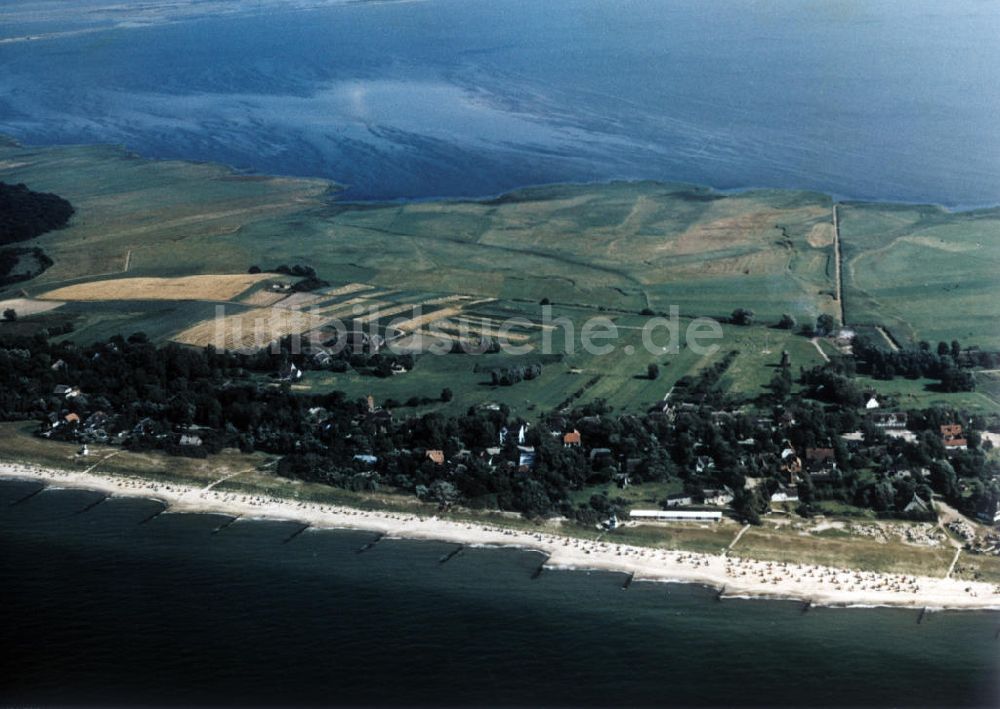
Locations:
(785, 495)
(717, 497)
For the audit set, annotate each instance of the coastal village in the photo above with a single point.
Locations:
(765, 464)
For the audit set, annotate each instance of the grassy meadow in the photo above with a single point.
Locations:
(158, 246)
(923, 272)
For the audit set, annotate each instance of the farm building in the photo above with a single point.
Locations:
(572, 439)
(677, 515)
(678, 500)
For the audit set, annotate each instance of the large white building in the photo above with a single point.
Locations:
(677, 515)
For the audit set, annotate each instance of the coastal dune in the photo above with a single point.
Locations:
(732, 575)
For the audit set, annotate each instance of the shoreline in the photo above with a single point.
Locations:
(340, 190)
(731, 576)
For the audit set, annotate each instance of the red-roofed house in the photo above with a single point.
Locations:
(952, 436)
(571, 439)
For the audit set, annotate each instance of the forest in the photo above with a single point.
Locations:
(24, 215)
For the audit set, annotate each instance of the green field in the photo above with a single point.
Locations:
(607, 251)
(619, 378)
(919, 394)
(924, 272)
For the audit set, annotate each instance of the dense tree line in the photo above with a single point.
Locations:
(25, 214)
(943, 365)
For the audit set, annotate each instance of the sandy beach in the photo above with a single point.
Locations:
(732, 575)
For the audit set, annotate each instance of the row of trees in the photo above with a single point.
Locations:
(915, 363)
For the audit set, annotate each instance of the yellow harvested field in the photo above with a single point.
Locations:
(466, 328)
(383, 313)
(346, 308)
(418, 322)
(348, 289)
(300, 301)
(26, 306)
(206, 287)
(249, 330)
(263, 298)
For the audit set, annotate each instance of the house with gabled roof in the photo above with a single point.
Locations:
(952, 436)
(572, 439)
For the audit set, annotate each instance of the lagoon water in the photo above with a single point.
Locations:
(887, 101)
(101, 606)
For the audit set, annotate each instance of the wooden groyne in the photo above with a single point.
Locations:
(372, 543)
(154, 515)
(226, 524)
(29, 496)
(920, 618)
(628, 581)
(296, 533)
(539, 570)
(451, 555)
(94, 504)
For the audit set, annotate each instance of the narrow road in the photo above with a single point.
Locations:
(226, 477)
(958, 552)
(824, 355)
(109, 455)
(892, 343)
(736, 539)
(837, 266)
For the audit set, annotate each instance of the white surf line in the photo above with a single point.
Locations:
(128, 260)
(823, 585)
(736, 539)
